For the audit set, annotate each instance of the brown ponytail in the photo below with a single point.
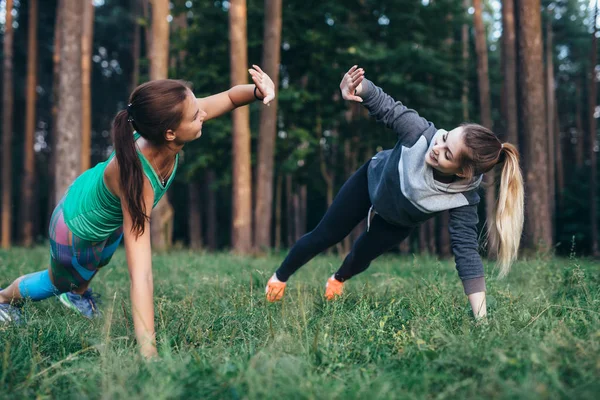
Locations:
(154, 107)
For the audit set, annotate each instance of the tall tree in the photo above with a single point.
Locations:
(592, 94)
(27, 184)
(268, 127)
(69, 124)
(531, 96)
(509, 71)
(550, 99)
(136, 43)
(465, 64)
(86, 84)
(7, 127)
(241, 230)
(162, 215)
(211, 209)
(485, 105)
(195, 215)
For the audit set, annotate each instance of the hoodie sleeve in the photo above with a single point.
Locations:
(405, 122)
(463, 239)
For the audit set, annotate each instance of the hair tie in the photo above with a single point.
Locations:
(129, 113)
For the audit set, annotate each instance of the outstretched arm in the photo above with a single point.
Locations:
(240, 95)
(405, 122)
(463, 238)
(139, 261)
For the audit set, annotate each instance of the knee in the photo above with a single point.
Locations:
(37, 286)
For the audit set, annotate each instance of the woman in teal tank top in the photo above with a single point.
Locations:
(114, 199)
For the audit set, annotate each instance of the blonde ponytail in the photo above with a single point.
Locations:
(508, 222)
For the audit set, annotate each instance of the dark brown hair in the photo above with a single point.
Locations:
(154, 107)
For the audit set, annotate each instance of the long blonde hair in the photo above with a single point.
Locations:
(485, 152)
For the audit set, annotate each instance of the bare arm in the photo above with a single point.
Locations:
(478, 305)
(139, 261)
(239, 95)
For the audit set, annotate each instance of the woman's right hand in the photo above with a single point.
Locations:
(351, 84)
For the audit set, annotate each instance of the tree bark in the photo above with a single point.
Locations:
(136, 44)
(195, 215)
(268, 127)
(278, 199)
(289, 210)
(560, 169)
(465, 64)
(87, 41)
(28, 206)
(211, 210)
(509, 67)
(484, 104)
(69, 118)
(242, 169)
(593, 138)
(7, 128)
(531, 94)
(161, 227)
(550, 99)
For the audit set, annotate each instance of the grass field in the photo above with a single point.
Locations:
(403, 330)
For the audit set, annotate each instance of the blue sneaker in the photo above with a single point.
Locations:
(10, 313)
(84, 304)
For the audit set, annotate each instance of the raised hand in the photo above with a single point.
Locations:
(351, 84)
(263, 83)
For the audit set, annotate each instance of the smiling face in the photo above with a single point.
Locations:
(446, 152)
(190, 127)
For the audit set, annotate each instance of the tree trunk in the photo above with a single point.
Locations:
(52, 199)
(242, 169)
(278, 199)
(7, 128)
(560, 169)
(289, 215)
(211, 210)
(268, 127)
(303, 205)
(431, 245)
(593, 138)
(87, 41)
(465, 64)
(531, 93)
(195, 215)
(297, 216)
(136, 44)
(579, 145)
(550, 99)
(485, 104)
(69, 122)
(28, 206)
(444, 234)
(161, 226)
(509, 68)
(423, 238)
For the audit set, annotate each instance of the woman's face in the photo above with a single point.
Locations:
(446, 151)
(190, 127)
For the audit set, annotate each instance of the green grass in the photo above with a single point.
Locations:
(404, 330)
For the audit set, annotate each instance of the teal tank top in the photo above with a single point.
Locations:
(92, 212)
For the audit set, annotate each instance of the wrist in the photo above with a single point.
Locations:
(255, 94)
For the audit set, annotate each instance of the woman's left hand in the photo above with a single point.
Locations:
(263, 83)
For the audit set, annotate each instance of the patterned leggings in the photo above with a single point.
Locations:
(75, 261)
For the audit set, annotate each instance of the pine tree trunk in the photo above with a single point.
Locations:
(161, 227)
(431, 244)
(423, 238)
(136, 44)
(484, 104)
(289, 210)
(28, 207)
(242, 170)
(69, 122)
(593, 138)
(211, 210)
(465, 64)
(550, 99)
(195, 215)
(579, 145)
(560, 168)
(297, 216)
(52, 200)
(87, 41)
(303, 204)
(268, 127)
(444, 234)
(509, 68)
(531, 95)
(7, 128)
(278, 200)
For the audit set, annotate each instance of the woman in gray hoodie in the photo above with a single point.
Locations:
(428, 171)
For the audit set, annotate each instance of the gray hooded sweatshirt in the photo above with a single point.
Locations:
(403, 191)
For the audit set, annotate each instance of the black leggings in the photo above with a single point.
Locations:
(350, 206)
